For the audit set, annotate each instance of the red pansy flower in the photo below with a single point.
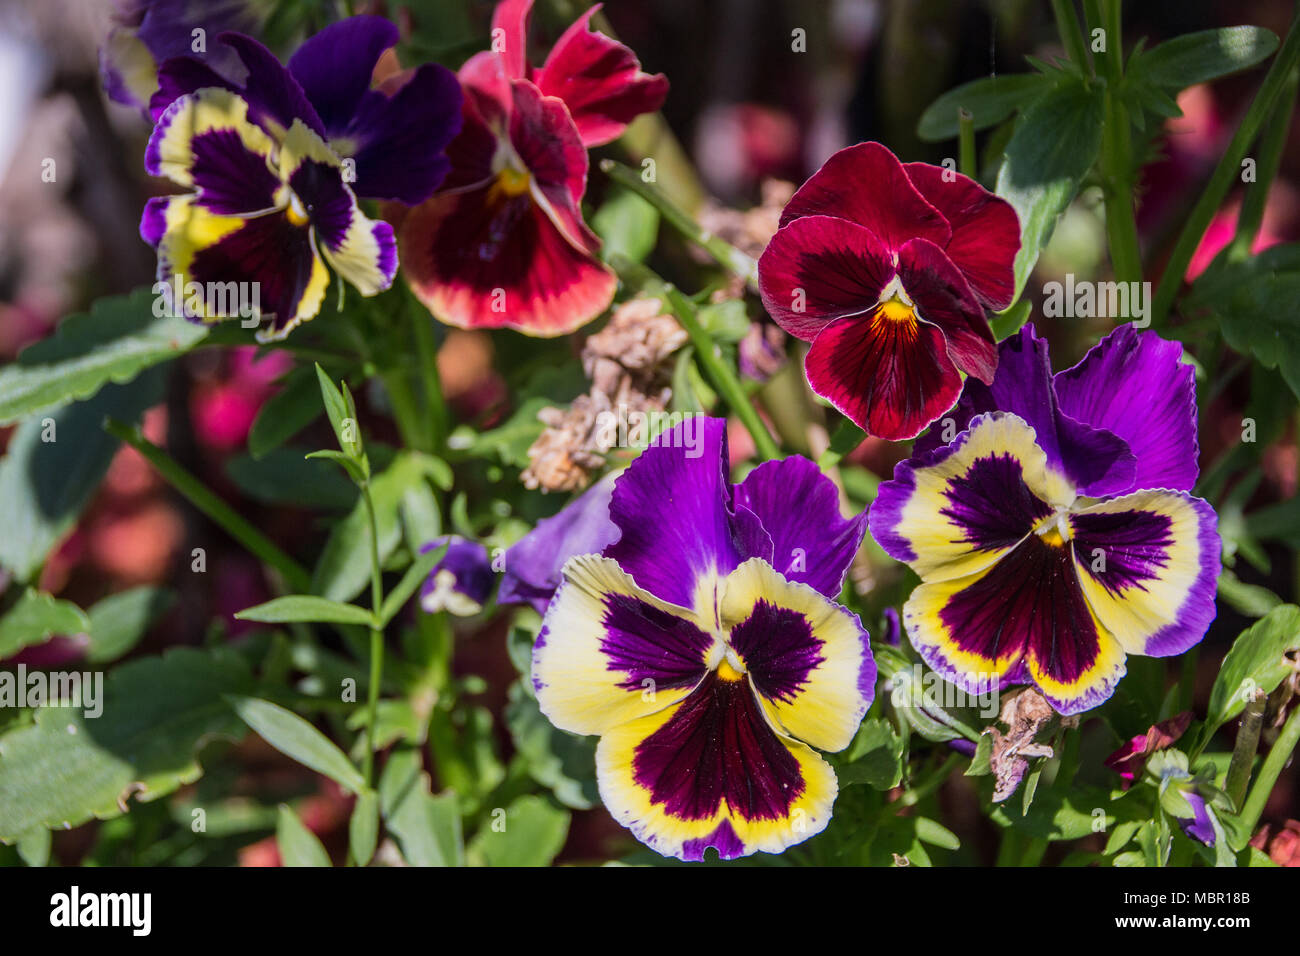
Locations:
(503, 244)
(887, 269)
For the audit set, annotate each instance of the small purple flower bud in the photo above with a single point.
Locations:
(461, 581)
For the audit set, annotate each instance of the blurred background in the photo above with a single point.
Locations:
(754, 102)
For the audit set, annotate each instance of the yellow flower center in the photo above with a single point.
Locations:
(296, 212)
(729, 673)
(896, 310)
(512, 182)
(1055, 530)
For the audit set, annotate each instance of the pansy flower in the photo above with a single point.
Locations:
(461, 580)
(1054, 535)
(705, 648)
(147, 32)
(504, 243)
(888, 269)
(276, 162)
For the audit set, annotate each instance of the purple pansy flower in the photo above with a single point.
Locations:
(1054, 535)
(461, 580)
(705, 648)
(147, 32)
(277, 160)
(533, 564)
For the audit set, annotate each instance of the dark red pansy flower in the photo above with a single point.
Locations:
(504, 244)
(888, 269)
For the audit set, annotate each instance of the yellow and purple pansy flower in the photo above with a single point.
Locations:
(888, 268)
(504, 244)
(276, 162)
(1055, 534)
(705, 648)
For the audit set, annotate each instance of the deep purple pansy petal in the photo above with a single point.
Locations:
(1135, 384)
(399, 141)
(334, 67)
(799, 508)
(680, 529)
(533, 563)
(1097, 461)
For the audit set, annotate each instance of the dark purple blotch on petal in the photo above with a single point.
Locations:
(647, 643)
(716, 746)
(779, 649)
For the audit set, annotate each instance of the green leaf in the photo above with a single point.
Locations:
(66, 768)
(295, 737)
(35, 619)
(1059, 813)
(563, 763)
(1054, 145)
(846, 437)
(298, 845)
(426, 827)
(295, 406)
(529, 832)
(980, 765)
(345, 461)
(875, 757)
(935, 834)
(119, 621)
(335, 407)
(53, 466)
(1248, 599)
(412, 579)
(725, 321)
(363, 827)
(1254, 664)
(118, 339)
(288, 477)
(510, 441)
(1012, 320)
(627, 225)
(989, 100)
(1253, 301)
(34, 848)
(308, 608)
(1200, 57)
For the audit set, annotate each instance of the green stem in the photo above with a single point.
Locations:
(199, 495)
(1277, 757)
(966, 164)
(1117, 152)
(435, 408)
(1243, 752)
(720, 373)
(376, 639)
(1067, 25)
(1271, 145)
(723, 252)
(1034, 850)
(1225, 173)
